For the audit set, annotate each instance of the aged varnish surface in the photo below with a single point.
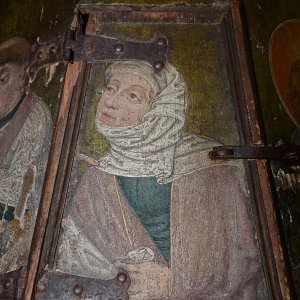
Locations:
(205, 63)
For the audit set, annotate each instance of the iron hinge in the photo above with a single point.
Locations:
(12, 284)
(58, 285)
(76, 45)
(288, 153)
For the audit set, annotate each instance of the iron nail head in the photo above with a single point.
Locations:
(118, 48)
(78, 289)
(158, 65)
(161, 41)
(122, 277)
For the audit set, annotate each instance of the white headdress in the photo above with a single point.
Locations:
(158, 146)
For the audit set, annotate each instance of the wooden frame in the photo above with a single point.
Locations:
(67, 127)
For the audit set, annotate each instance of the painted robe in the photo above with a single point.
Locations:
(30, 148)
(213, 255)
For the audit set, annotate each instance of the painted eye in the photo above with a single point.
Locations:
(134, 97)
(110, 90)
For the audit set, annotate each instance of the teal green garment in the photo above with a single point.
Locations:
(6, 212)
(151, 203)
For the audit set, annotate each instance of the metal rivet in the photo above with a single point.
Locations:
(122, 277)
(78, 289)
(118, 48)
(161, 41)
(158, 65)
(7, 284)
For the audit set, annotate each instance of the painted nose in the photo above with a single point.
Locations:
(113, 102)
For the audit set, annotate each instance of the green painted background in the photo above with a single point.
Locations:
(47, 18)
(201, 61)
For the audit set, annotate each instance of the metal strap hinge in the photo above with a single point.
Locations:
(12, 284)
(76, 45)
(58, 285)
(286, 152)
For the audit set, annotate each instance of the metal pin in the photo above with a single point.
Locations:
(118, 48)
(161, 41)
(158, 65)
(78, 289)
(122, 277)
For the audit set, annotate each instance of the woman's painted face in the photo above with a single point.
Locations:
(126, 99)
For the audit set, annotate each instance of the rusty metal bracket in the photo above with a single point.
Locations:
(99, 47)
(96, 48)
(59, 285)
(286, 152)
(12, 284)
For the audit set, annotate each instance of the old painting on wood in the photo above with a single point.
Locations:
(144, 194)
(25, 136)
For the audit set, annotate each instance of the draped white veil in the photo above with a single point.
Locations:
(158, 146)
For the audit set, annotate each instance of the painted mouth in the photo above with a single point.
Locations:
(107, 115)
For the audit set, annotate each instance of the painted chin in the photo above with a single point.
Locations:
(129, 121)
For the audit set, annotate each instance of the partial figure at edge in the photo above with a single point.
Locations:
(25, 137)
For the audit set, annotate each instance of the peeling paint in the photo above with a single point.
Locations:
(50, 71)
(289, 181)
(261, 48)
(42, 12)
